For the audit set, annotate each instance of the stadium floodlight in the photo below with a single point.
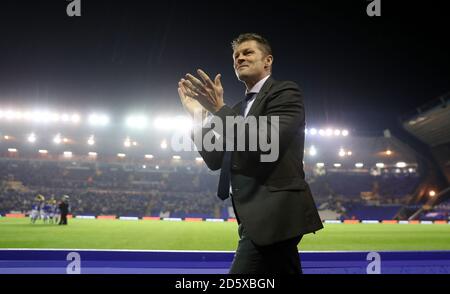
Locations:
(432, 193)
(329, 132)
(322, 132)
(148, 156)
(54, 117)
(137, 122)
(337, 165)
(144, 166)
(43, 151)
(157, 167)
(92, 154)
(312, 151)
(341, 152)
(401, 164)
(173, 123)
(199, 159)
(98, 119)
(320, 164)
(75, 118)
(6, 137)
(359, 165)
(163, 144)
(121, 155)
(65, 117)
(306, 131)
(379, 164)
(57, 139)
(65, 140)
(31, 138)
(127, 142)
(91, 140)
(176, 157)
(349, 153)
(411, 170)
(67, 154)
(337, 132)
(345, 133)
(313, 131)
(388, 152)
(12, 150)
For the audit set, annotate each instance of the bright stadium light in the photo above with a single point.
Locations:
(329, 132)
(400, 164)
(312, 151)
(337, 165)
(43, 151)
(91, 140)
(349, 153)
(163, 144)
(322, 132)
(432, 193)
(137, 122)
(67, 154)
(92, 154)
(337, 132)
(199, 159)
(341, 152)
(57, 139)
(345, 133)
(148, 156)
(320, 164)
(31, 138)
(75, 118)
(144, 166)
(176, 157)
(127, 142)
(173, 123)
(6, 137)
(388, 152)
(65, 117)
(121, 155)
(157, 167)
(98, 119)
(379, 164)
(411, 170)
(313, 131)
(12, 150)
(359, 165)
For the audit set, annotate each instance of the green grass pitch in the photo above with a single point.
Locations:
(167, 235)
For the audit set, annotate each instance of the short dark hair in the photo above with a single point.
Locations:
(263, 43)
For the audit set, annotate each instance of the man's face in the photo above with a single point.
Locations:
(250, 62)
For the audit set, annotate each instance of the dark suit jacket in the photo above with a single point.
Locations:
(271, 199)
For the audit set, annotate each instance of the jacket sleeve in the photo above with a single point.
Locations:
(213, 159)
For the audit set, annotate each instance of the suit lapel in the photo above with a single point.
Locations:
(261, 95)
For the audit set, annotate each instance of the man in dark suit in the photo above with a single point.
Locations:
(272, 202)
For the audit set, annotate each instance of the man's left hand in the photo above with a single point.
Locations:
(208, 93)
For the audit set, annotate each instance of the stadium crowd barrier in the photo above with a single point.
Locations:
(77, 261)
(197, 219)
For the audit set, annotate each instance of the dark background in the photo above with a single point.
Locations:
(356, 71)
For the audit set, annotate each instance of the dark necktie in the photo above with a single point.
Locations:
(223, 190)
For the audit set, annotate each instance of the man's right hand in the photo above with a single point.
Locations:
(192, 106)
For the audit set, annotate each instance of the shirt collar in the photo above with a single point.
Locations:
(257, 87)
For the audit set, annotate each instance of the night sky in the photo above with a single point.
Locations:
(122, 56)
